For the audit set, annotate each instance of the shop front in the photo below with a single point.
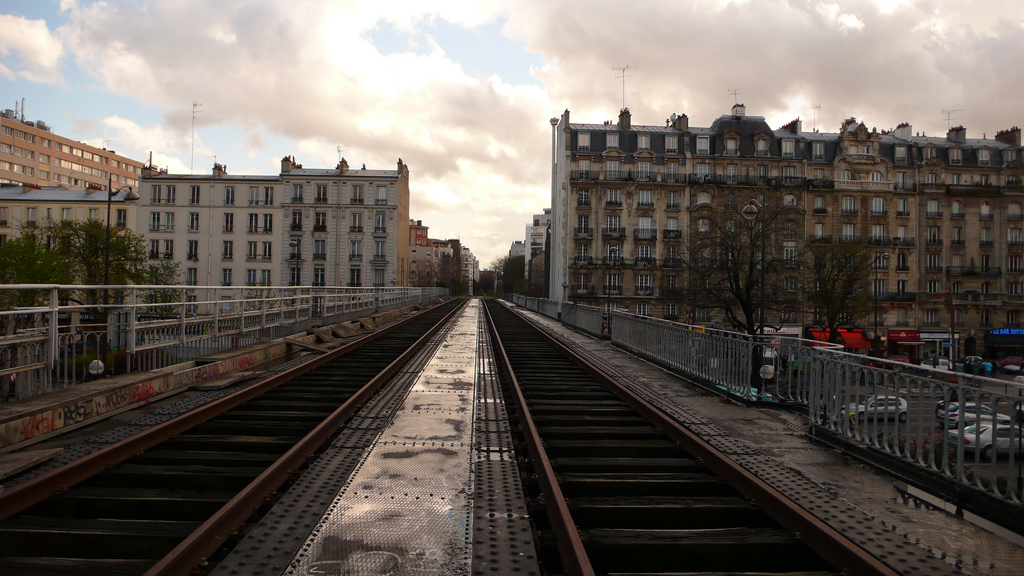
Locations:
(853, 340)
(937, 344)
(905, 343)
(1003, 342)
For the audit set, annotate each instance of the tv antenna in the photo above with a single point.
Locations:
(949, 116)
(340, 152)
(192, 162)
(814, 117)
(735, 94)
(623, 75)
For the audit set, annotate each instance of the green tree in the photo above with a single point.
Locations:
(26, 260)
(840, 281)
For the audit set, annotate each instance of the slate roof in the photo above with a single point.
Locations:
(54, 194)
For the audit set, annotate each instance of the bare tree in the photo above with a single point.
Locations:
(840, 280)
(735, 261)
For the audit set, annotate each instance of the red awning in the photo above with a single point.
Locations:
(855, 340)
(905, 337)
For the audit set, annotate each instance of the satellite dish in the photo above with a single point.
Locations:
(673, 117)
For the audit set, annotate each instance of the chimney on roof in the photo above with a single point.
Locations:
(343, 166)
(1011, 136)
(739, 110)
(957, 134)
(287, 164)
(794, 127)
(219, 170)
(903, 131)
(624, 119)
(681, 123)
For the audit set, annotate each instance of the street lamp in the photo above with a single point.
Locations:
(874, 289)
(751, 212)
(130, 196)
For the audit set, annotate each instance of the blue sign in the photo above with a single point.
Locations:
(1007, 332)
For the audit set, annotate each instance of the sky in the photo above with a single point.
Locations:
(462, 91)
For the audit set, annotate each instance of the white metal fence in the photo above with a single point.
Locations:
(50, 344)
(951, 424)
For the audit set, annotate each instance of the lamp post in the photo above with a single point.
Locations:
(130, 196)
(874, 289)
(751, 211)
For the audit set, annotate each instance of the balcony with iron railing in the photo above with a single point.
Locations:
(613, 232)
(296, 199)
(974, 270)
(880, 240)
(668, 234)
(355, 201)
(933, 214)
(933, 241)
(645, 205)
(987, 243)
(645, 233)
(319, 227)
(296, 226)
(644, 291)
(193, 257)
(957, 242)
(1015, 242)
(355, 256)
(932, 269)
(381, 202)
(1008, 217)
(671, 262)
(865, 185)
(584, 174)
(583, 232)
(582, 261)
(613, 261)
(355, 228)
(672, 206)
(380, 229)
(903, 268)
(583, 203)
(613, 204)
(612, 290)
(319, 256)
(903, 213)
(294, 256)
(320, 199)
(588, 290)
(645, 262)
(882, 212)
(820, 211)
(974, 190)
(850, 238)
(822, 239)
(901, 296)
(849, 212)
(379, 258)
(957, 215)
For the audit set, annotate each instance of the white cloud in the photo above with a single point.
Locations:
(34, 52)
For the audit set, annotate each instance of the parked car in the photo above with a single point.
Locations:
(939, 362)
(900, 358)
(1011, 364)
(879, 407)
(971, 413)
(980, 437)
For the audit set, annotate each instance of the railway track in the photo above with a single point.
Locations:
(619, 488)
(164, 501)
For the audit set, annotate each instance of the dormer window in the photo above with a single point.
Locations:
(731, 146)
(983, 157)
(787, 148)
(583, 141)
(703, 144)
(643, 142)
(671, 144)
(955, 156)
(762, 147)
(901, 154)
(612, 140)
(1009, 155)
(818, 149)
(929, 152)
(867, 149)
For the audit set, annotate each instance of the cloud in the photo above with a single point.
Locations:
(478, 145)
(30, 50)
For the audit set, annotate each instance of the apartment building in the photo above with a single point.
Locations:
(30, 153)
(319, 227)
(28, 207)
(942, 215)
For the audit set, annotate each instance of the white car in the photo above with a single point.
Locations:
(940, 363)
(879, 407)
(971, 413)
(979, 437)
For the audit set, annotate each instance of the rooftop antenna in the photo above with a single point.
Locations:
(22, 109)
(735, 94)
(814, 118)
(623, 75)
(948, 113)
(341, 152)
(192, 163)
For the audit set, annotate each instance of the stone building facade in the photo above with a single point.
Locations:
(942, 215)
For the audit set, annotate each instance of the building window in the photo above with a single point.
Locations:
(788, 149)
(703, 145)
(229, 250)
(321, 194)
(818, 150)
(849, 205)
(251, 251)
(229, 195)
(382, 194)
(268, 250)
(193, 197)
(193, 221)
(901, 154)
(762, 147)
(192, 276)
(225, 277)
(731, 146)
(583, 141)
(229, 222)
(929, 152)
(612, 140)
(955, 156)
(193, 250)
(171, 194)
(671, 144)
(380, 223)
(643, 141)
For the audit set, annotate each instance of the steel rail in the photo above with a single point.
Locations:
(574, 556)
(23, 496)
(211, 535)
(818, 535)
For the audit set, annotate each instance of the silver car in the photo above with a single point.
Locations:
(879, 407)
(971, 413)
